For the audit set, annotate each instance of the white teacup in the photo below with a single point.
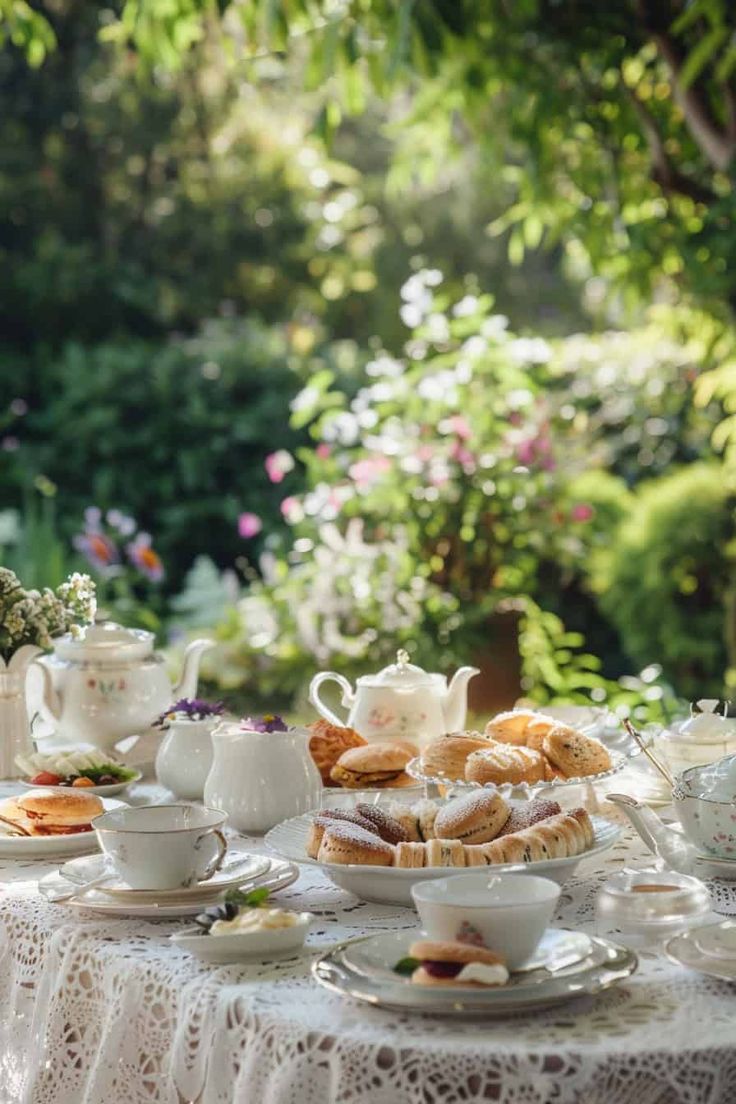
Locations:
(508, 913)
(163, 846)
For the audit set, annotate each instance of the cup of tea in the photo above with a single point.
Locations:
(163, 846)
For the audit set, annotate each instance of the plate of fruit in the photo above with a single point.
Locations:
(90, 770)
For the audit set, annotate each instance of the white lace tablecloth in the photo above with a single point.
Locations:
(107, 1011)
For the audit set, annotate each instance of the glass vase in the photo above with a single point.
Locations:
(15, 731)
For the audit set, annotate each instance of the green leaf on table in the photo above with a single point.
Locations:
(406, 966)
(255, 898)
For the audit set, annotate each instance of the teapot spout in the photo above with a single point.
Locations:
(186, 687)
(456, 699)
(672, 848)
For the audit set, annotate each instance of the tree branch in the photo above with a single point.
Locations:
(664, 173)
(716, 144)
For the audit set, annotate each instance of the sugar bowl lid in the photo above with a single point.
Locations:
(400, 675)
(104, 642)
(707, 725)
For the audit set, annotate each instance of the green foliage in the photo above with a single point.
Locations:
(174, 434)
(664, 577)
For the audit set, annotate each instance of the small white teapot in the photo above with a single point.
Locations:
(262, 773)
(401, 702)
(108, 683)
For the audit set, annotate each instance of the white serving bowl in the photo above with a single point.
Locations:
(244, 946)
(506, 912)
(390, 885)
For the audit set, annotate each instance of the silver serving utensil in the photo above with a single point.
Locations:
(75, 890)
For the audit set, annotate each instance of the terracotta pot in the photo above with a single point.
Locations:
(498, 685)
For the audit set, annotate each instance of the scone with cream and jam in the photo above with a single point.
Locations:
(446, 962)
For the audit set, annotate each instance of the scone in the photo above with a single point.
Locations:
(446, 757)
(344, 844)
(501, 763)
(473, 818)
(574, 753)
(328, 742)
(383, 823)
(324, 819)
(445, 962)
(510, 727)
(524, 814)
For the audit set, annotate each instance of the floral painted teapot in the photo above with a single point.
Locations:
(108, 683)
(401, 702)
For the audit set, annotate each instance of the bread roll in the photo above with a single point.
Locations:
(328, 742)
(502, 763)
(445, 758)
(574, 753)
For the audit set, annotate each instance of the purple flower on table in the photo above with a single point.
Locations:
(145, 558)
(269, 722)
(195, 709)
(249, 525)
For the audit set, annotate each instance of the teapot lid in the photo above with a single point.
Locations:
(401, 674)
(104, 642)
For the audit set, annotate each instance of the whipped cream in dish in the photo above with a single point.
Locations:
(256, 920)
(483, 974)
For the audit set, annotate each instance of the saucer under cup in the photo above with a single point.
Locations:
(163, 846)
(507, 913)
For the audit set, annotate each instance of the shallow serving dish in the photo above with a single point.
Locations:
(102, 791)
(391, 886)
(244, 946)
(43, 847)
(710, 949)
(363, 971)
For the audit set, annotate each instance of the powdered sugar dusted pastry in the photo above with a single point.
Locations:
(345, 843)
(501, 763)
(446, 757)
(574, 753)
(442, 852)
(327, 817)
(523, 814)
(426, 812)
(383, 823)
(473, 818)
(410, 855)
(407, 818)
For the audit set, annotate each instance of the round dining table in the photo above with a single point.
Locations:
(104, 1010)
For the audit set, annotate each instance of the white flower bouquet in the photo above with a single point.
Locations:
(36, 616)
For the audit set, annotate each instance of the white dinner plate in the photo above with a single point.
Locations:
(239, 867)
(374, 981)
(101, 791)
(279, 875)
(44, 847)
(700, 949)
(219, 950)
(391, 886)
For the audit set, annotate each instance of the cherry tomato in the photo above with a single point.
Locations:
(46, 778)
(80, 782)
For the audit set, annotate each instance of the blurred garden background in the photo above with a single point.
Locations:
(334, 326)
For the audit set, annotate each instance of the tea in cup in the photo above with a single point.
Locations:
(163, 846)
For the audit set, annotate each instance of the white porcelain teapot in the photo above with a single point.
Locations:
(401, 702)
(108, 683)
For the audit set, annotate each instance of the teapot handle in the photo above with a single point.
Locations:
(319, 705)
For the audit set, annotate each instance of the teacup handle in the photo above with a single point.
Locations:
(219, 858)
